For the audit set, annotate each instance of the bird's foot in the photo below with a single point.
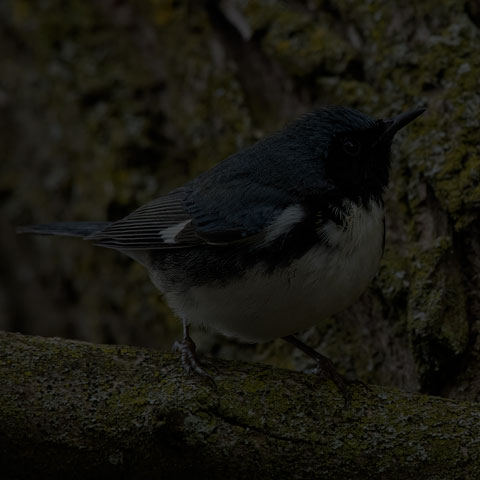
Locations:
(190, 361)
(326, 370)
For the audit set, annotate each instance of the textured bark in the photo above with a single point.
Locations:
(76, 410)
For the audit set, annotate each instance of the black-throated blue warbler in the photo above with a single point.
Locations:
(271, 240)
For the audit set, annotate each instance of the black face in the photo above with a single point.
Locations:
(358, 161)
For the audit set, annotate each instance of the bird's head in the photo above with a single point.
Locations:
(351, 149)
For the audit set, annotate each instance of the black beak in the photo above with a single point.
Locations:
(395, 124)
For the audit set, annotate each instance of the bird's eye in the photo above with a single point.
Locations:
(351, 146)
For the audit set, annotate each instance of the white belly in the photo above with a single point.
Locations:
(263, 306)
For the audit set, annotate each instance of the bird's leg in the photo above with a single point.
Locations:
(325, 367)
(190, 361)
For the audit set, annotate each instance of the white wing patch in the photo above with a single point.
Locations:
(169, 234)
(284, 222)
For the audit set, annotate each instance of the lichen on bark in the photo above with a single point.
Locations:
(77, 409)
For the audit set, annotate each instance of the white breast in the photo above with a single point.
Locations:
(263, 306)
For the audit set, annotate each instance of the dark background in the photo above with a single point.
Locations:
(105, 105)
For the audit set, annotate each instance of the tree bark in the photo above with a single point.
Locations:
(81, 410)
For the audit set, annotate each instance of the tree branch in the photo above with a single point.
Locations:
(74, 408)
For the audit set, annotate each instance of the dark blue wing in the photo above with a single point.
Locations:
(237, 200)
(188, 217)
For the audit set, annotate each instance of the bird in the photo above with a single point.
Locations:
(271, 240)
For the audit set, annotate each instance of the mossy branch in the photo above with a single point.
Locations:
(86, 411)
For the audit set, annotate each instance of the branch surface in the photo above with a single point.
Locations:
(68, 407)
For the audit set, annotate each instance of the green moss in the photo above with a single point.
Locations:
(450, 163)
(303, 48)
(437, 318)
(300, 46)
(393, 277)
(293, 423)
(254, 385)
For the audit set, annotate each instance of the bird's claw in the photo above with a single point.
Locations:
(190, 361)
(326, 370)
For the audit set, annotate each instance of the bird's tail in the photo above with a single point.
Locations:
(67, 229)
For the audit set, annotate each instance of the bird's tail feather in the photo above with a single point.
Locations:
(68, 229)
